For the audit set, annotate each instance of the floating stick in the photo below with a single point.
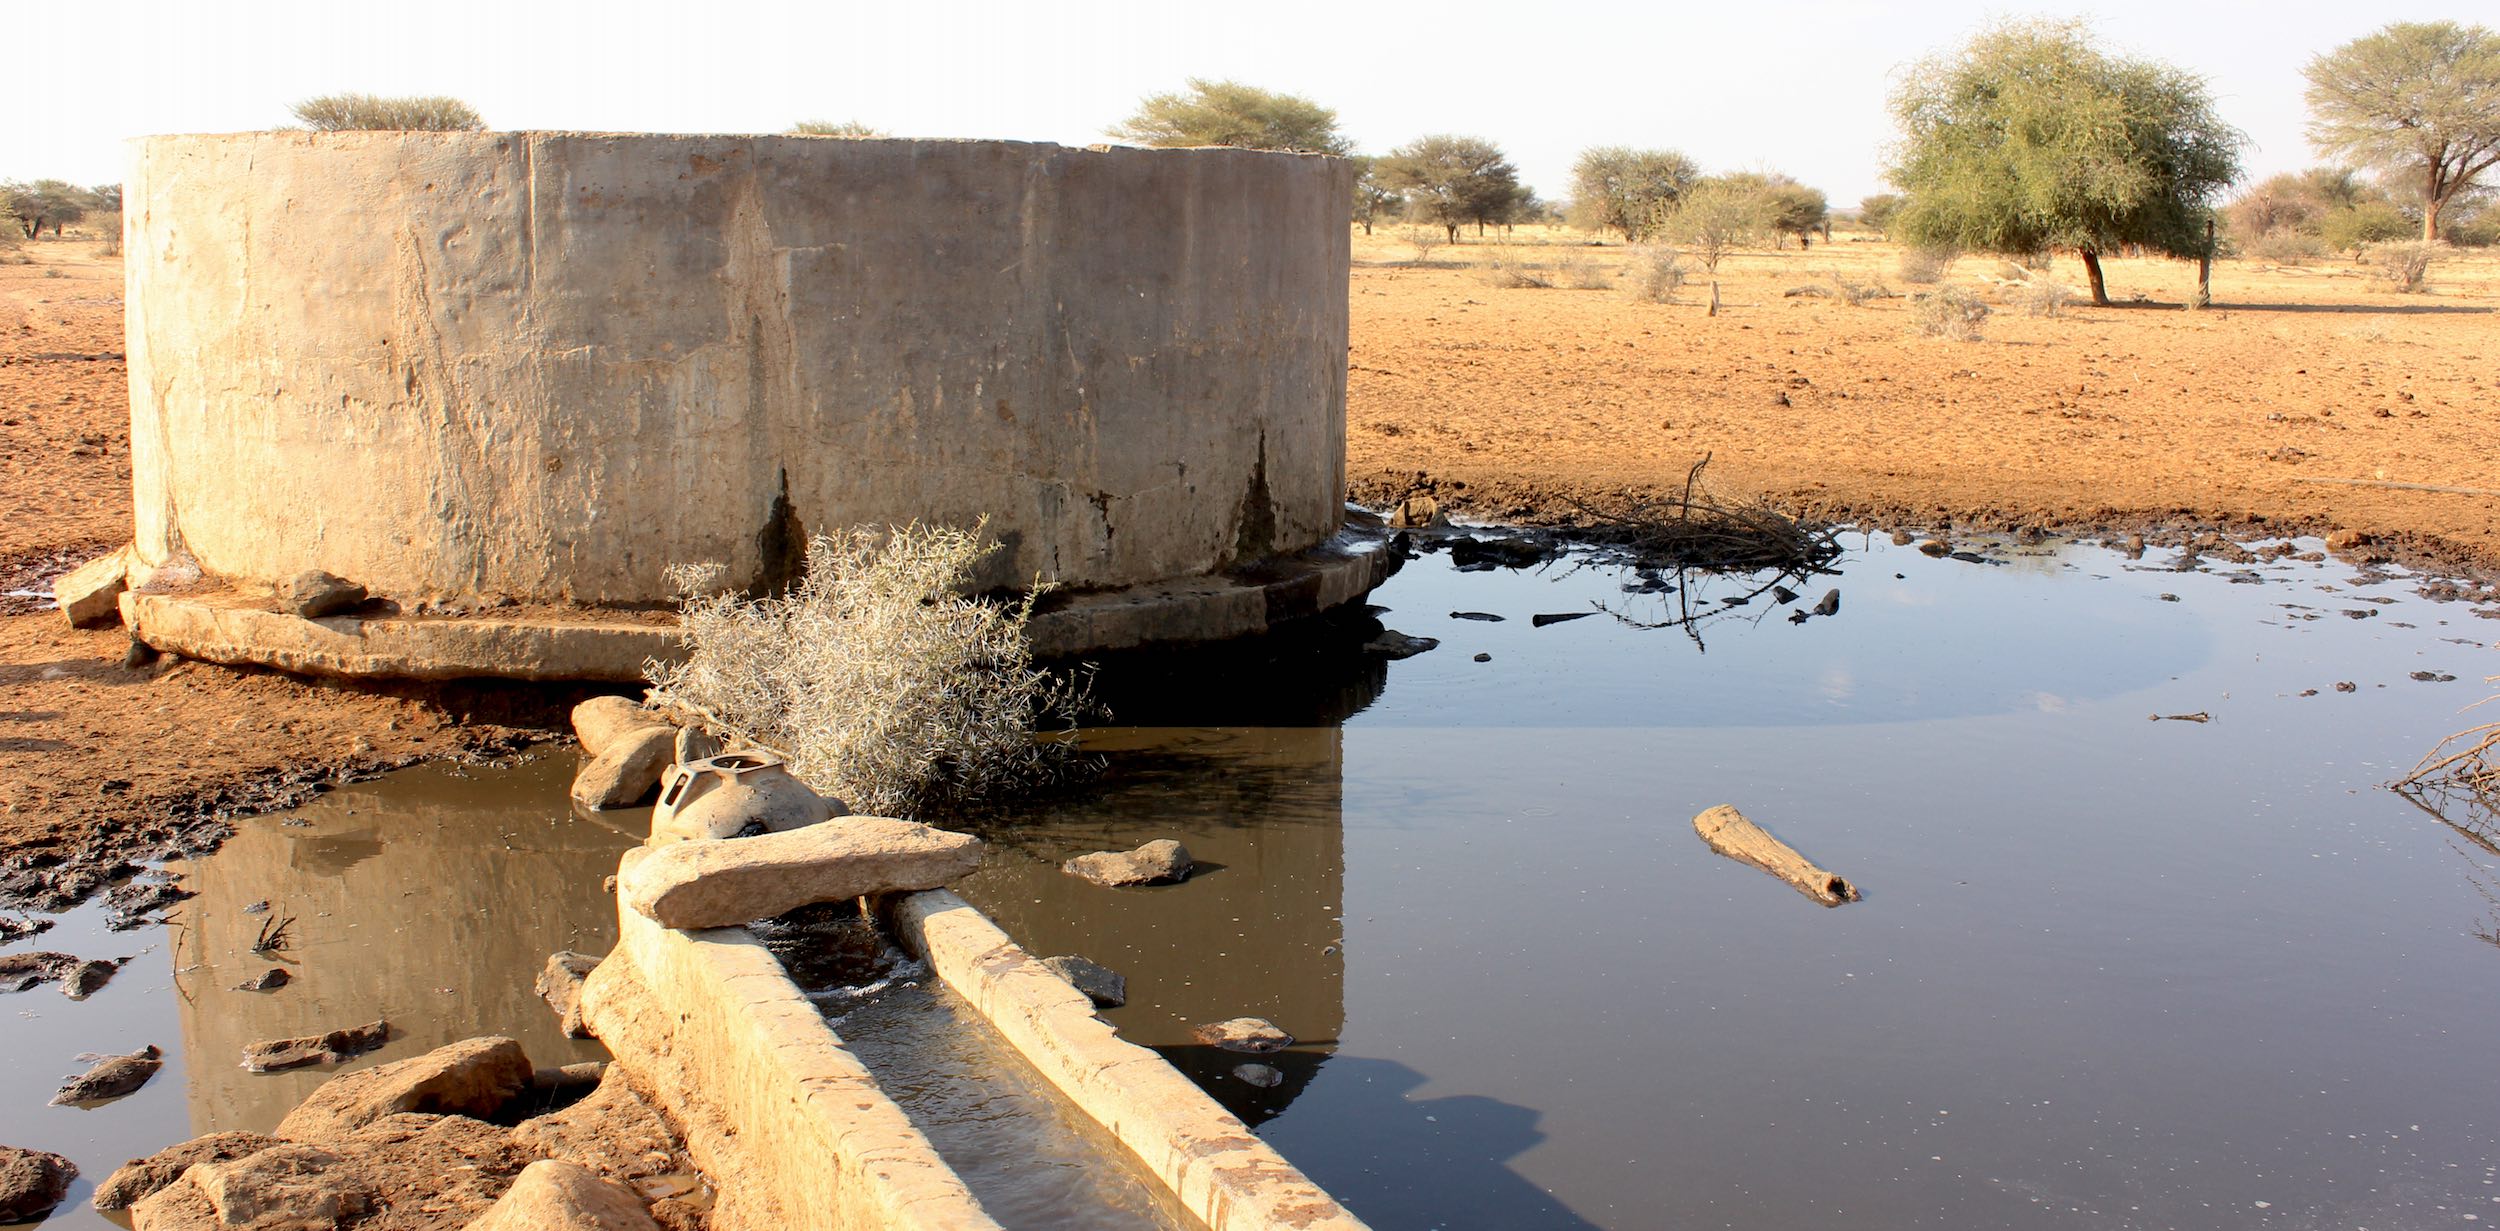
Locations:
(1729, 833)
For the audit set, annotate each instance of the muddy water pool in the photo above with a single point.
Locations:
(2108, 972)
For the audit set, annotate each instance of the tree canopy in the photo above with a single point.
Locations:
(1230, 113)
(353, 112)
(2030, 139)
(2418, 102)
(1452, 181)
(1616, 188)
(53, 203)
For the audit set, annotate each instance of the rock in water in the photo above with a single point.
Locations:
(1392, 644)
(1254, 1036)
(628, 771)
(268, 980)
(1158, 862)
(111, 1078)
(313, 594)
(32, 1182)
(337, 1045)
(1101, 984)
(473, 1078)
(560, 985)
(1263, 1076)
(133, 1181)
(1830, 604)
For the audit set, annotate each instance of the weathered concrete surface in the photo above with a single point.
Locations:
(717, 882)
(236, 629)
(499, 364)
(765, 1095)
(1208, 1157)
(228, 629)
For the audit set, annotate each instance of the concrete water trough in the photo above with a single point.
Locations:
(504, 381)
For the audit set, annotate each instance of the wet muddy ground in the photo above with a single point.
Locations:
(2107, 972)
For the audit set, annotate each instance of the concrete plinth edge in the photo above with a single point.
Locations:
(1221, 1172)
(240, 630)
(794, 1129)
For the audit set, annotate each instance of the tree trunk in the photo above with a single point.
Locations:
(2205, 270)
(1453, 229)
(2092, 269)
(1805, 240)
(2430, 220)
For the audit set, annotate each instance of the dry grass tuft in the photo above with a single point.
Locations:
(1657, 274)
(2044, 298)
(874, 677)
(1506, 269)
(1924, 266)
(2401, 267)
(1950, 312)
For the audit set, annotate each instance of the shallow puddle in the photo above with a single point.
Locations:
(2108, 972)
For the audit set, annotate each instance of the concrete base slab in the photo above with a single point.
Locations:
(243, 630)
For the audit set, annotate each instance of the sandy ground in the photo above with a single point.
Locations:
(1517, 401)
(1513, 404)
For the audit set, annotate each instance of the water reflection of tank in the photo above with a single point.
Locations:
(430, 900)
(1256, 931)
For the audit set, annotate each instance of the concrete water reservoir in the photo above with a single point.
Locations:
(505, 380)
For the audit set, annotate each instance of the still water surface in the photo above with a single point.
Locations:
(2108, 972)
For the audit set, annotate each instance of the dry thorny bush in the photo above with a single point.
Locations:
(1698, 531)
(2463, 768)
(1951, 312)
(874, 677)
(1657, 274)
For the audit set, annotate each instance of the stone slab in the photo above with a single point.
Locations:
(718, 882)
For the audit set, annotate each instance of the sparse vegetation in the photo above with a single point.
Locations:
(1951, 312)
(2401, 267)
(1657, 274)
(831, 128)
(1924, 266)
(1715, 217)
(1876, 213)
(1230, 113)
(2044, 298)
(874, 677)
(1507, 269)
(108, 228)
(2355, 228)
(1374, 199)
(52, 204)
(1581, 272)
(2030, 139)
(368, 112)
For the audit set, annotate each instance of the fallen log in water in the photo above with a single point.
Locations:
(1729, 833)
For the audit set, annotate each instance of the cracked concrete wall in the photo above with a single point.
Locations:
(546, 366)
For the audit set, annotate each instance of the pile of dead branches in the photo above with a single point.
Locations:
(2467, 762)
(1699, 530)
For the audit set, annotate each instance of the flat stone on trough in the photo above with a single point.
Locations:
(717, 882)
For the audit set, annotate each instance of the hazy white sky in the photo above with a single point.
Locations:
(1795, 85)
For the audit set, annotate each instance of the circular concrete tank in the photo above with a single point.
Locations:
(537, 369)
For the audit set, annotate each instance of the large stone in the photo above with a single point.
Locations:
(401, 1173)
(1106, 987)
(312, 594)
(560, 985)
(628, 771)
(613, 1131)
(1158, 862)
(32, 1182)
(716, 882)
(561, 1196)
(601, 721)
(136, 1180)
(473, 1077)
(91, 594)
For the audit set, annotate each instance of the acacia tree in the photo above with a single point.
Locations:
(1876, 212)
(2030, 139)
(1716, 215)
(1372, 196)
(1616, 188)
(2417, 101)
(1230, 113)
(48, 203)
(1453, 181)
(368, 112)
